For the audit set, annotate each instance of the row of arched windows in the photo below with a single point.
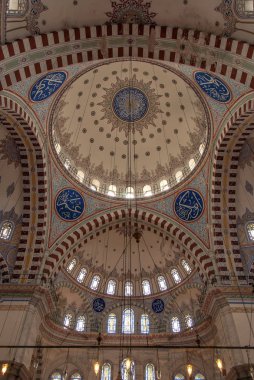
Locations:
(128, 287)
(80, 323)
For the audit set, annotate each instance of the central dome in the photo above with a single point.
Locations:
(130, 128)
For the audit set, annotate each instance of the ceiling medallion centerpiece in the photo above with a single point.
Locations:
(134, 106)
(131, 12)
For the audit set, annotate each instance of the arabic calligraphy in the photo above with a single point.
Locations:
(189, 205)
(158, 306)
(69, 204)
(47, 85)
(213, 86)
(99, 305)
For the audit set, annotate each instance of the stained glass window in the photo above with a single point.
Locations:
(179, 176)
(56, 376)
(179, 376)
(192, 164)
(189, 321)
(111, 288)
(67, 320)
(71, 265)
(82, 275)
(128, 291)
(250, 230)
(80, 175)
(145, 324)
(175, 325)
(95, 185)
(76, 376)
(16, 7)
(112, 190)
(128, 374)
(186, 266)
(106, 372)
(111, 324)
(146, 287)
(150, 372)
(81, 323)
(147, 191)
(6, 230)
(162, 283)
(199, 376)
(95, 282)
(176, 276)
(164, 185)
(244, 8)
(128, 321)
(129, 192)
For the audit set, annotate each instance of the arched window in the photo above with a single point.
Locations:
(164, 185)
(179, 176)
(201, 149)
(81, 323)
(186, 266)
(58, 148)
(112, 190)
(179, 376)
(128, 373)
(17, 8)
(176, 276)
(67, 163)
(76, 376)
(128, 321)
(162, 283)
(71, 265)
(150, 372)
(199, 376)
(146, 287)
(81, 275)
(128, 289)
(244, 8)
(95, 184)
(111, 324)
(67, 320)
(147, 191)
(189, 321)
(129, 192)
(80, 175)
(95, 282)
(56, 376)
(106, 372)
(175, 325)
(6, 230)
(250, 230)
(145, 324)
(111, 288)
(192, 164)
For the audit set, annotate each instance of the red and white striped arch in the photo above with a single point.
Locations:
(112, 41)
(223, 189)
(194, 250)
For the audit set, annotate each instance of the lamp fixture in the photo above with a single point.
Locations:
(96, 367)
(189, 369)
(219, 364)
(4, 368)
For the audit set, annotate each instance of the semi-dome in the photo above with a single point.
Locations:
(130, 128)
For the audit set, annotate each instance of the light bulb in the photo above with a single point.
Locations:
(128, 364)
(96, 367)
(189, 369)
(4, 368)
(219, 364)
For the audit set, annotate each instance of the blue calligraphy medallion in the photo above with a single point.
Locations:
(47, 85)
(213, 86)
(189, 205)
(98, 305)
(69, 204)
(158, 305)
(130, 104)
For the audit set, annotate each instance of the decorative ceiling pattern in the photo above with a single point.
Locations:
(129, 111)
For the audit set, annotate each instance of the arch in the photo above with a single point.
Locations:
(63, 249)
(234, 131)
(150, 372)
(23, 127)
(169, 43)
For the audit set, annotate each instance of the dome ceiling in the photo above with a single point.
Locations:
(116, 255)
(129, 124)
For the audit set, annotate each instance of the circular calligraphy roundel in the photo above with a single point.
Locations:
(69, 204)
(213, 86)
(158, 305)
(47, 85)
(189, 205)
(98, 305)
